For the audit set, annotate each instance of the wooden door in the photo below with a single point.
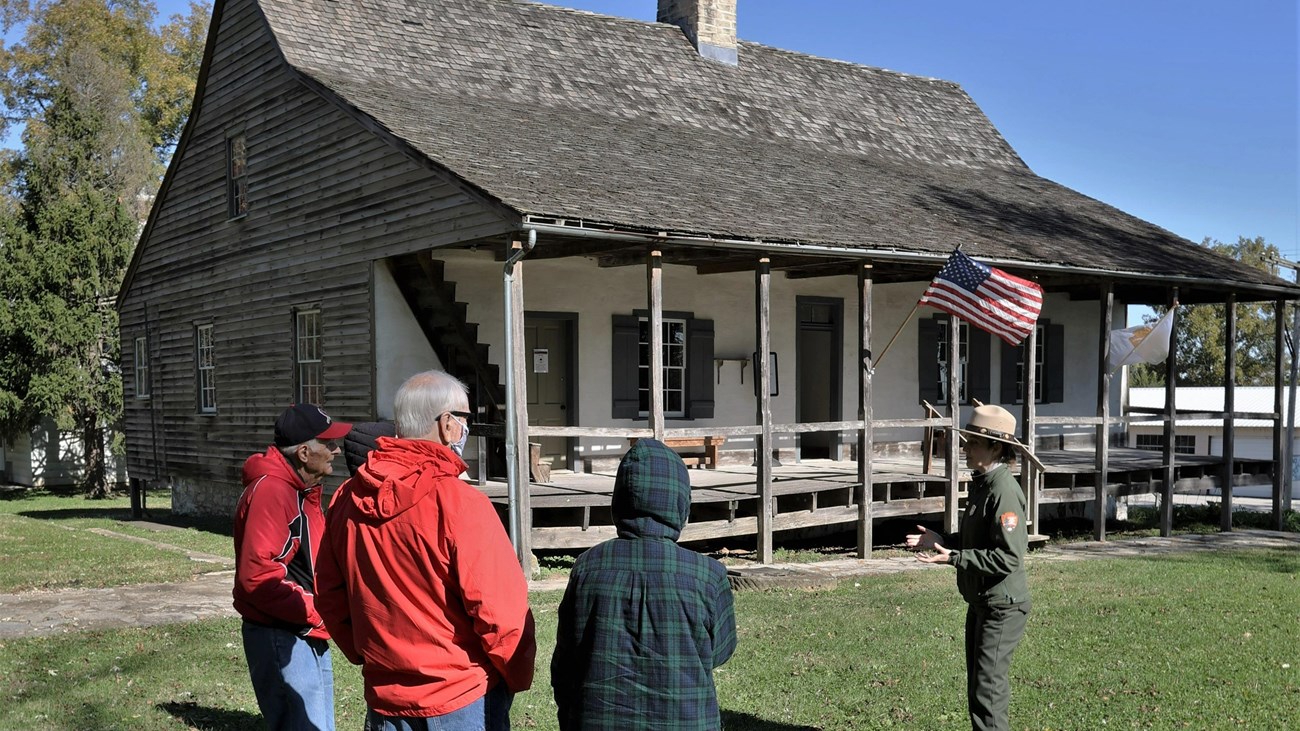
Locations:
(549, 348)
(818, 373)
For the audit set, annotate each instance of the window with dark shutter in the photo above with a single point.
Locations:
(1049, 367)
(932, 361)
(688, 366)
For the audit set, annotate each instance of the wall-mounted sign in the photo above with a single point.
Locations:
(541, 360)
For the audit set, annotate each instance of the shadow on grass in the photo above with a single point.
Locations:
(117, 508)
(737, 721)
(207, 718)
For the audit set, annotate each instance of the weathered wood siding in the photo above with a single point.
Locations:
(327, 197)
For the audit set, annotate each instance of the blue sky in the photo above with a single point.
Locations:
(1181, 112)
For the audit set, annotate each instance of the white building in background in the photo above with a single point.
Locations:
(49, 458)
(1254, 437)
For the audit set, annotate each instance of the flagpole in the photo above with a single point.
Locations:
(1138, 344)
(906, 320)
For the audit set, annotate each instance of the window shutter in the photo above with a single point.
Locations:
(699, 369)
(1054, 368)
(623, 367)
(978, 366)
(1009, 382)
(927, 372)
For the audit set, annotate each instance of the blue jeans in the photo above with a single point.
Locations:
(489, 713)
(292, 677)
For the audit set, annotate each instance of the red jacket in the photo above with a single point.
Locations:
(419, 585)
(277, 518)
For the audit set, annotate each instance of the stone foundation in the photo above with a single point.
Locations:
(193, 497)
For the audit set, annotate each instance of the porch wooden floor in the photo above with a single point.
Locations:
(572, 510)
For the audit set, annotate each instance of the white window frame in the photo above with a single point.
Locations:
(963, 353)
(309, 372)
(143, 383)
(1040, 355)
(205, 369)
(673, 373)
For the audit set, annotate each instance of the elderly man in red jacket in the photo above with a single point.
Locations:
(418, 582)
(278, 527)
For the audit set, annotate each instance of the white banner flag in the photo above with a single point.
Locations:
(1141, 344)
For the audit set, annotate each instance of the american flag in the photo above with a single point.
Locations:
(986, 296)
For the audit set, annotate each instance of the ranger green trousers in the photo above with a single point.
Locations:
(992, 634)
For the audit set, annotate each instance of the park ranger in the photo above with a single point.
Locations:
(989, 554)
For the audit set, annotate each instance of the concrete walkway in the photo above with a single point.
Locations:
(43, 613)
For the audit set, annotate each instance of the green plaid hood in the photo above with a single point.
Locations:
(652, 493)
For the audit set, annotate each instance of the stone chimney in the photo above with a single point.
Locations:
(709, 24)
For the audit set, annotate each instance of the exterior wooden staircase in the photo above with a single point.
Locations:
(432, 299)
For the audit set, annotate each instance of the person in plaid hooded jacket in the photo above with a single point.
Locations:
(644, 622)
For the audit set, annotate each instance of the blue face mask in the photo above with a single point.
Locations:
(459, 446)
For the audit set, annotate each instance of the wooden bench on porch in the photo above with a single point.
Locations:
(710, 445)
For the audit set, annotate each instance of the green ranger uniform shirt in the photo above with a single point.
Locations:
(993, 540)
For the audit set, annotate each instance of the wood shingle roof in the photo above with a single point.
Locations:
(570, 115)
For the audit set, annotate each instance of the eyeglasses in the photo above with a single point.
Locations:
(460, 414)
(332, 444)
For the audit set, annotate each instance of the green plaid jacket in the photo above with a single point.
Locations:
(643, 621)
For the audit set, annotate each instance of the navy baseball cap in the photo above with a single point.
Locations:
(304, 422)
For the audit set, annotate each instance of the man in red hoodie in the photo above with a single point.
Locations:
(278, 528)
(417, 580)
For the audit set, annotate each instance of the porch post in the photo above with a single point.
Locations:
(954, 416)
(521, 507)
(763, 380)
(1029, 427)
(1281, 487)
(1103, 411)
(1167, 453)
(1229, 406)
(655, 300)
(866, 437)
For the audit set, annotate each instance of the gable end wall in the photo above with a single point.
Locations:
(326, 199)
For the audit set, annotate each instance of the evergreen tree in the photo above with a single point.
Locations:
(101, 96)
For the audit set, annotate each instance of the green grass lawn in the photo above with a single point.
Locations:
(1195, 641)
(56, 541)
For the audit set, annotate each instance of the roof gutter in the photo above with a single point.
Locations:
(532, 224)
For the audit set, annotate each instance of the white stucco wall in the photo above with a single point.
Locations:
(579, 285)
(401, 350)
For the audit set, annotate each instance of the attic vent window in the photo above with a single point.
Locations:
(407, 21)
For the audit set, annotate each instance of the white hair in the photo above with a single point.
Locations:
(423, 398)
(290, 453)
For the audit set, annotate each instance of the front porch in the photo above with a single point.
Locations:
(572, 510)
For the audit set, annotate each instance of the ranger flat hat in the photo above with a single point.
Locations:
(996, 423)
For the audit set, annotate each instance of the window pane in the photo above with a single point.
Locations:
(673, 378)
(673, 402)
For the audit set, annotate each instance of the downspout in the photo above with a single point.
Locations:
(512, 438)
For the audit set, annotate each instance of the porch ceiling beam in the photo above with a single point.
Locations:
(686, 257)
(566, 249)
